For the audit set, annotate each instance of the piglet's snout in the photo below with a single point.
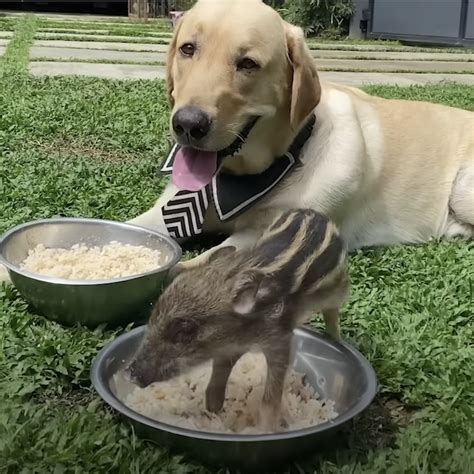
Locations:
(137, 375)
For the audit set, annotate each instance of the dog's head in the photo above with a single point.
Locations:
(234, 65)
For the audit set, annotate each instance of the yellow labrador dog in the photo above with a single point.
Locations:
(243, 84)
(387, 171)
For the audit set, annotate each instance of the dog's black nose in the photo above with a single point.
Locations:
(191, 121)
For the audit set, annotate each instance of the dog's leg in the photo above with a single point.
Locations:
(462, 205)
(153, 218)
(240, 240)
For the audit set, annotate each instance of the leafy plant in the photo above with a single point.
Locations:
(329, 18)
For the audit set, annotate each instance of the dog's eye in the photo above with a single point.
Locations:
(247, 64)
(187, 49)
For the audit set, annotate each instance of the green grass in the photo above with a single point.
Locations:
(97, 61)
(381, 46)
(156, 25)
(15, 59)
(109, 32)
(74, 37)
(139, 62)
(398, 70)
(92, 148)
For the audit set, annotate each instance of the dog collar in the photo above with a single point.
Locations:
(230, 194)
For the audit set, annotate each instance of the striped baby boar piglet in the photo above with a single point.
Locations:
(242, 300)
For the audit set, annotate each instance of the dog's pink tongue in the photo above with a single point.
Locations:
(193, 169)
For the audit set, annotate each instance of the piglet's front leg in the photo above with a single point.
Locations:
(215, 391)
(272, 415)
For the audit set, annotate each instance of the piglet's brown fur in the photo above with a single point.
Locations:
(246, 299)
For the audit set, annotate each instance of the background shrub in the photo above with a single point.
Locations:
(326, 18)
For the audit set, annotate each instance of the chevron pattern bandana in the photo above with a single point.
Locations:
(230, 194)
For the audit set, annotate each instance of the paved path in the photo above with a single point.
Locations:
(6, 34)
(333, 54)
(92, 52)
(358, 79)
(327, 64)
(393, 55)
(2, 50)
(69, 16)
(128, 71)
(103, 38)
(95, 54)
(394, 66)
(108, 71)
(107, 45)
(314, 44)
(101, 31)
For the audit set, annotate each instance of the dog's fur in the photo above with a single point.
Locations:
(387, 171)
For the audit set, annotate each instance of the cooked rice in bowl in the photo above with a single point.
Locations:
(181, 401)
(113, 260)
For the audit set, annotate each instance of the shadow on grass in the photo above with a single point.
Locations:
(375, 429)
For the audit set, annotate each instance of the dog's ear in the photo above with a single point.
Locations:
(305, 89)
(170, 60)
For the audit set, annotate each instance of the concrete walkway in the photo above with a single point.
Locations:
(324, 64)
(95, 54)
(83, 48)
(129, 71)
(107, 71)
(393, 55)
(86, 32)
(332, 54)
(107, 45)
(314, 44)
(104, 38)
(394, 66)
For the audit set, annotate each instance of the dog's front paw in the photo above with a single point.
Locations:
(176, 270)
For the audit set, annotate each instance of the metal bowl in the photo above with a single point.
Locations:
(337, 371)
(89, 302)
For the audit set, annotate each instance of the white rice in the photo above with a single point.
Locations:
(114, 260)
(180, 401)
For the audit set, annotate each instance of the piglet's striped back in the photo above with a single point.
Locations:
(300, 250)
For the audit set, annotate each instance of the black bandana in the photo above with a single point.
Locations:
(230, 194)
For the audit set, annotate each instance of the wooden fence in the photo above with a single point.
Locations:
(145, 9)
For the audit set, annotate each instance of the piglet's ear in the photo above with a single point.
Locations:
(250, 288)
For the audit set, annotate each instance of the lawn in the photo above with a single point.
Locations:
(92, 148)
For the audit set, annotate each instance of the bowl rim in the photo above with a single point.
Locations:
(110, 399)
(9, 234)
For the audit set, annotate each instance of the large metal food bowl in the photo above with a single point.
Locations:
(336, 370)
(89, 302)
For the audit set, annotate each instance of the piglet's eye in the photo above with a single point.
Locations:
(181, 330)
